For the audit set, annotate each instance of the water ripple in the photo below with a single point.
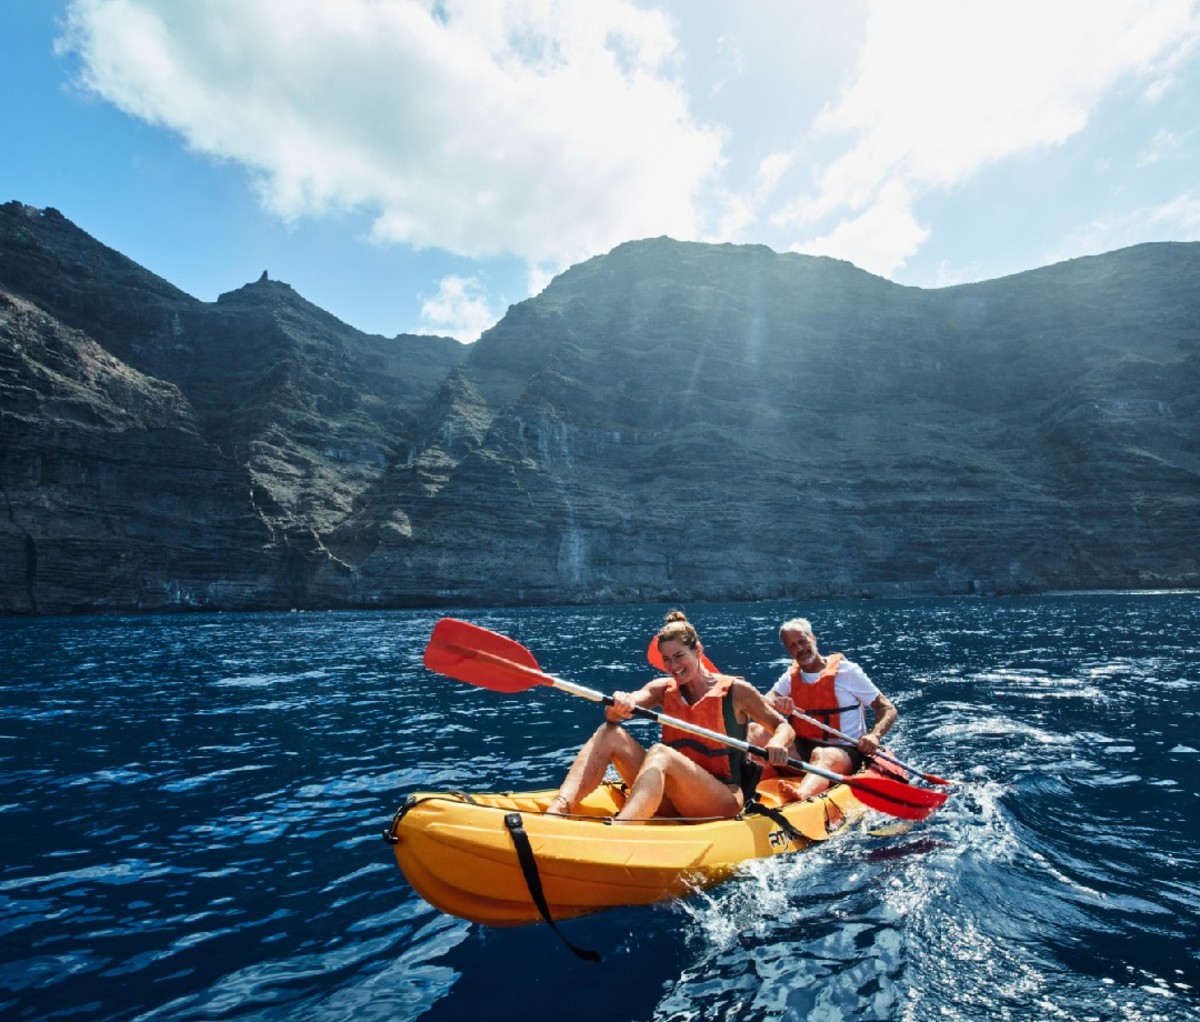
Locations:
(192, 809)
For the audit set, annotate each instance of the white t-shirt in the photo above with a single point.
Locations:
(851, 685)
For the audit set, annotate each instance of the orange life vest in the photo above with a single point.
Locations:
(715, 712)
(818, 699)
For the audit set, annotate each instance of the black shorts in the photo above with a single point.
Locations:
(806, 746)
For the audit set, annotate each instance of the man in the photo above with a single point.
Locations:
(835, 692)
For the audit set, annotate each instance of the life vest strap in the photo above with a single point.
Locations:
(700, 748)
(836, 709)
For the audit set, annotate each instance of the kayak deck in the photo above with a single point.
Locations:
(458, 851)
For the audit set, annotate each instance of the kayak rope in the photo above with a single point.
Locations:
(534, 882)
(391, 836)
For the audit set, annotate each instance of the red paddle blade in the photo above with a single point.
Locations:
(887, 757)
(459, 649)
(896, 798)
(656, 660)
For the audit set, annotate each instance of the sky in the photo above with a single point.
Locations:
(418, 166)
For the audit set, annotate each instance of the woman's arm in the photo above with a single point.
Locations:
(647, 697)
(749, 704)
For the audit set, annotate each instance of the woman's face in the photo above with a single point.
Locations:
(682, 663)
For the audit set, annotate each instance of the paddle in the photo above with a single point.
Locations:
(656, 660)
(931, 778)
(470, 653)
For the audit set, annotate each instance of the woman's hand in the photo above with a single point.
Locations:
(622, 707)
(777, 751)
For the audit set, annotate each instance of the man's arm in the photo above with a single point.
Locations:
(885, 717)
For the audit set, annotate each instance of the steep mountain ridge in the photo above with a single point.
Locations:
(723, 422)
(302, 410)
(114, 499)
(677, 421)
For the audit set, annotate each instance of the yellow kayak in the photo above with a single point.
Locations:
(482, 856)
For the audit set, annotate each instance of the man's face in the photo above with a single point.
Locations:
(801, 646)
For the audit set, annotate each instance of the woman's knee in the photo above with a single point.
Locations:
(616, 744)
(609, 734)
(660, 756)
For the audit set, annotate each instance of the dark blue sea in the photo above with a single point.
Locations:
(191, 810)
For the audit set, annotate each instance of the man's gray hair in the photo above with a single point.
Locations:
(795, 624)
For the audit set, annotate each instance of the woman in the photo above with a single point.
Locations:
(684, 774)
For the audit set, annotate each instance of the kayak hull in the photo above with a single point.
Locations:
(459, 853)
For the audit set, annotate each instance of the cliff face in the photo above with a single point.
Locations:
(727, 422)
(668, 421)
(292, 414)
(113, 499)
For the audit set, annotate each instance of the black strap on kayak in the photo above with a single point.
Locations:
(776, 817)
(534, 881)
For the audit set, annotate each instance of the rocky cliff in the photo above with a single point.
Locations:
(281, 418)
(668, 421)
(717, 421)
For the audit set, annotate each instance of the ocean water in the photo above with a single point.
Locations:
(191, 810)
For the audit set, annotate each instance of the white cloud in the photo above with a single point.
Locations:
(537, 277)
(948, 276)
(771, 170)
(1177, 219)
(553, 130)
(731, 62)
(1180, 218)
(945, 89)
(460, 309)
(549, 129)
(879, 240)
(1163, 144)
(735, 214)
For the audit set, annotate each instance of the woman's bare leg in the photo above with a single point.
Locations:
(611, 743)
(669, 778)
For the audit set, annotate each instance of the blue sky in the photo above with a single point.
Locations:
(420, 166)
